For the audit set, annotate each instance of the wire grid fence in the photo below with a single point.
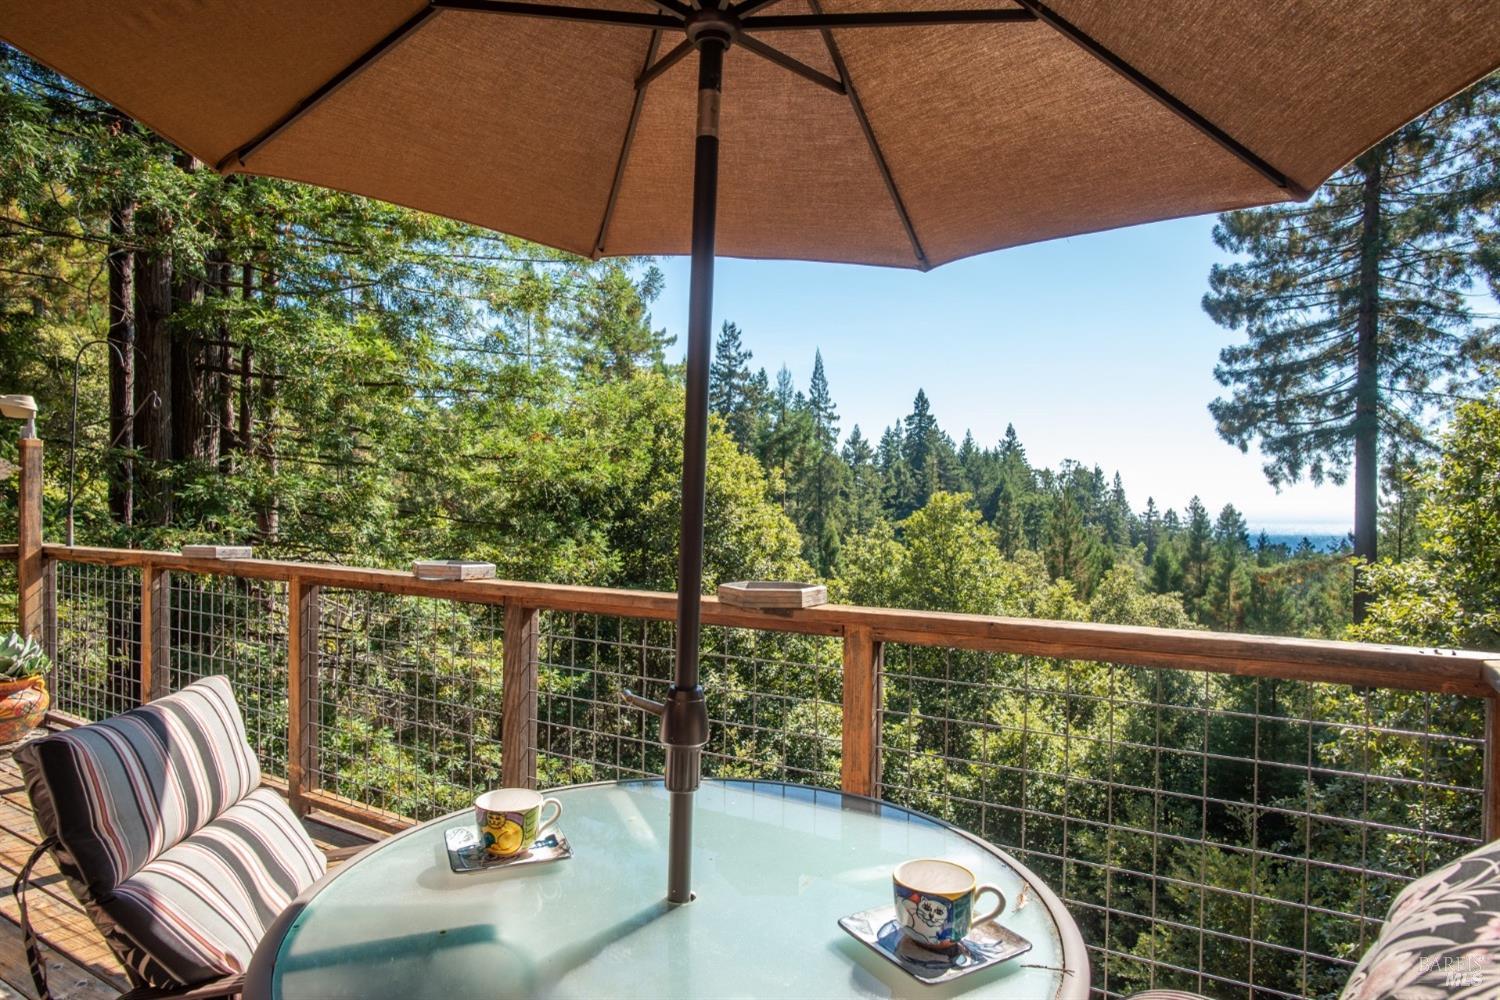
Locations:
(774, 701)
(236, 628)
(95, 667)
(1232, 836)
(407, 698)
(9, 588)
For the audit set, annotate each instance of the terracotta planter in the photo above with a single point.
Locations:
(22, 705)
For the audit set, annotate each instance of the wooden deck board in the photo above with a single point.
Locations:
(79, 963)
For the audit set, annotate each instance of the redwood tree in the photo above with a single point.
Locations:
(1355, 306)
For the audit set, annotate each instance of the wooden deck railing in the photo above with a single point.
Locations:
(864, 631)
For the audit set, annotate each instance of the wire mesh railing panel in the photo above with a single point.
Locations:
(1233, 836)
(774, 701)
(98, 640)
(236, 628)
(9, 619)
(407, 701)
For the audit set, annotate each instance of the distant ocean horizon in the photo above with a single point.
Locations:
(1322, 540)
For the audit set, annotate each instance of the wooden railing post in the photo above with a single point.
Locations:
(518, 697)
(156, 633)
(303, 614)
(862, 668)
(1491, 671)
(30, 572)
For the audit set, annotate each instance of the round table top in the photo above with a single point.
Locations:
(774, 867)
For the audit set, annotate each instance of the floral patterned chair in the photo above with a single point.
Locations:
(1440, 940)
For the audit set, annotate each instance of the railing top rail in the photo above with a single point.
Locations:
(1398, 667)
(9, 551)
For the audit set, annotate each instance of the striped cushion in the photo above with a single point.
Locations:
(118, 793)
(165, 835)
(198, 911)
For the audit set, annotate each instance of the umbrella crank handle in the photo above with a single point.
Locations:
(684, 731)
(656, 708)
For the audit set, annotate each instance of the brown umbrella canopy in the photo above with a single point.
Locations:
(920, 145)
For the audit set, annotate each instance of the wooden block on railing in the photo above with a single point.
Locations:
(518, 697)
(303, 613)
(862, 668)
(156, 633)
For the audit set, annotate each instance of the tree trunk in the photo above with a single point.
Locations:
(192, 425)
(223, 397)
(247, 359)
(269, 517)
(1366, 374)
(121, 335)
(153, 311)
(194, 429)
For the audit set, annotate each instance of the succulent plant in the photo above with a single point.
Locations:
(21, 658)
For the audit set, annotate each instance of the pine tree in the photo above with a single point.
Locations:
(862, 493)
(930, 456)
(895, 474)
(1197, 555)
(781, 437)
(731, 387)
(821, 475)
(920, 439)
(1226, 591)
(1355, 305)
(1117, 515)
(820, 405)
(1231, 534)
(971, 464)
(611, 337)
(1072, 547)
(1150, 528)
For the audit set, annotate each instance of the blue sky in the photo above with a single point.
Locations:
(1095, 347)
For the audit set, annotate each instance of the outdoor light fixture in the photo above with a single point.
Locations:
(20, 408)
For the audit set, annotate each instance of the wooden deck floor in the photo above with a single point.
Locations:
(79, 964)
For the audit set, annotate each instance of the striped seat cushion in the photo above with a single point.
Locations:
(198, 910)
(165, 835)
(117, 793)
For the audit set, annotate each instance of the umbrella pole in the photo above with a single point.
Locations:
(685, 717)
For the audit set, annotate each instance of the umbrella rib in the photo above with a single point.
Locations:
(795, 65)
(1159, 93)
(589, 15)
(888, 19)
(874, 143)
(327, 90)
(745, 8)
(672, 7)
(666, 62)
(635, 117)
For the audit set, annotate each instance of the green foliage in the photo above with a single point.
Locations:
(1450, 594)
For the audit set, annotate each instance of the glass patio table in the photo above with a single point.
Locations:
(775, 866)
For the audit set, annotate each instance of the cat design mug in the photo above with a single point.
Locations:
(935, 902)
(510, 820)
